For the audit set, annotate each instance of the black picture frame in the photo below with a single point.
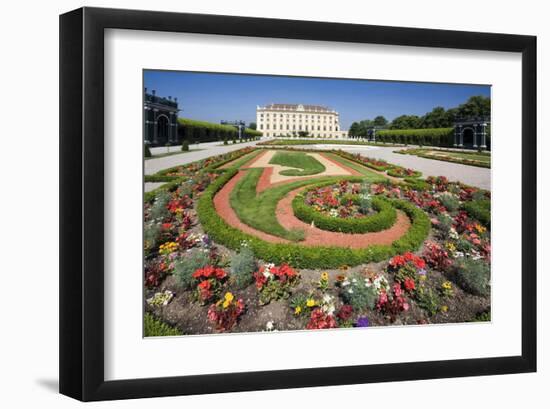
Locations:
(82, 200)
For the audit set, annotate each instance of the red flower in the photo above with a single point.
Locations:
(409, 284)
(210, 272)
(321, 320)
(345, 312)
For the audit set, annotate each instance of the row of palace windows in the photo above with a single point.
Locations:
(299, 116)
(314, 135)
(261, 127)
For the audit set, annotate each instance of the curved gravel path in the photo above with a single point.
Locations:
(313, 235)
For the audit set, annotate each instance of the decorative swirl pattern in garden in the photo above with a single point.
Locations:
(265, 239)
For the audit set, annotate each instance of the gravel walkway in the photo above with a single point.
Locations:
(207, 149)
(471, 175)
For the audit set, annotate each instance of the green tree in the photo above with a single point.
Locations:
(437, 118)
(354, 129)
(406, 122)
(252, 125)
(380, 121)
(477, 105)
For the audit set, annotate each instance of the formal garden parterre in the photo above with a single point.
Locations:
(266, 239)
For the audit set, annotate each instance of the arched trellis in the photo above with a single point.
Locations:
(155, 108)
(479, 130)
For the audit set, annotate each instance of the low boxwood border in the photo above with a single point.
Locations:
(382, 220)
(303, 256)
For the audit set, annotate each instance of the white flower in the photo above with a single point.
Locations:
(350, 291)
(354, 280)
(269, 326)
(327, 298)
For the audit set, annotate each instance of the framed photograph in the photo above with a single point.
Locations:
(251, 203)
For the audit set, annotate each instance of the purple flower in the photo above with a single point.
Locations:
(421, 272)
(362, 322)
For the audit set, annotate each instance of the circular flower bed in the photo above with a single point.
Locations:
(344, 207)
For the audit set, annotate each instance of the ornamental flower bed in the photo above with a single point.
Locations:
(192, 283)
(400, 172)
(343, 200)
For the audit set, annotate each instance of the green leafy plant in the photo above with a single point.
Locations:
(185, 146)
(473, 275)
(243, 265)
(356, 292)
(151, 235)
(450, 201)
(187, 265)
(428, 300)
(153, 327)
(159, 211)
(479, 209)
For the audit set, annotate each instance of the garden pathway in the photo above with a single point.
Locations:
(470, 175)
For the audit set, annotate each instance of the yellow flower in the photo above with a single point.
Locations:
(324, 276)
(227, 300)
(444, 308)
(447, 285)
(297, 310)
(480, 228)
(310, 302)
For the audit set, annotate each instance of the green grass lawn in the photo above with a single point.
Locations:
(305, 164)
(258, 210)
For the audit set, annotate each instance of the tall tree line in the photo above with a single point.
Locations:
(439, 117)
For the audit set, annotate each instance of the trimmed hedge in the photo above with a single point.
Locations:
(203, 131)
(480, 210)
(384, 219)
(429, 136)
(301, 256)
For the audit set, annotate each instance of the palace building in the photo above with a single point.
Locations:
(298, 120)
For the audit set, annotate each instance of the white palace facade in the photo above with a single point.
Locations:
(291, 119)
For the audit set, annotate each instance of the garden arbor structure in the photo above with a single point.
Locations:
(160, 119)
(471, 133)
(240, 125)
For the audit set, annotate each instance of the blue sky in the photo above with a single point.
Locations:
(214, 97)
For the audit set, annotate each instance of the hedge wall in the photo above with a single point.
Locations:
(202, 131)
(429, 137)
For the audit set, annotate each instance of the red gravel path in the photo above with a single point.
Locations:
(313, 235)
(265, 179)
(224, 209)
